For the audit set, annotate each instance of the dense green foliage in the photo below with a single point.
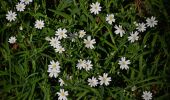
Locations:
(24, 65)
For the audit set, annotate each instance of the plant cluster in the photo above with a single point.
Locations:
(80, 49)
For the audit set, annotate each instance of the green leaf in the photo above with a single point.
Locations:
(61, 14)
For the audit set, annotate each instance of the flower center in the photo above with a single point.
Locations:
(111, 18)
(11, 16)
(55, 42)
(26, 0)
(124, 63)
(62, 33)
(20, 6)
(104, 79)
(39, 24)
(54, 65)
(88, 42)
(96, 7)
(146, 96)
(62, 94)
(60, 49)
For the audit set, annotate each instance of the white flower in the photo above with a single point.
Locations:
(110, 18)
(82, 33)
(141, 27)
(53, 72)
(135, 23)
(73, 36)
(54, 65)
(62, 94)
(81, 64)
(20, 7)
(54, 42)
(21, 28)
(147, 95)
(133, 37)
(119, 30)
(89, 43)
(12, 39)
(104, 79)
(61, 33)
(26, 1)
(84, 64)
(59, 49)
(95, 8)
(11, 16)
(61, 82)
(133, 88)
(124, 63)
(69, 77)
(88, 65)
(53, 69)
(47, 38)
(92, 82)
(39, 24)
(151, 22)
(73, 40)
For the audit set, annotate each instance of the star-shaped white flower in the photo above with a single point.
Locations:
(12, 40)
(81, 64)
(61, 82)
(88, 65)
(54, 69)
(26, 1)
(59, 49)
(141, 27)
(104, 79)
(133, 37)
(151, 22)
(61, 33)
(53, 72)
(147, 95)
(124, 63)
(54, 65)
(95, 8)
(62, 94)
(82, 33)
(89, 43)
(119, 30)
(39, 24)
(11, 16)
(54, 42)
(110, 18)
(92, 82)
(20, 6)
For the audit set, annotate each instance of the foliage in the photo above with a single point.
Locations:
(24, 65)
